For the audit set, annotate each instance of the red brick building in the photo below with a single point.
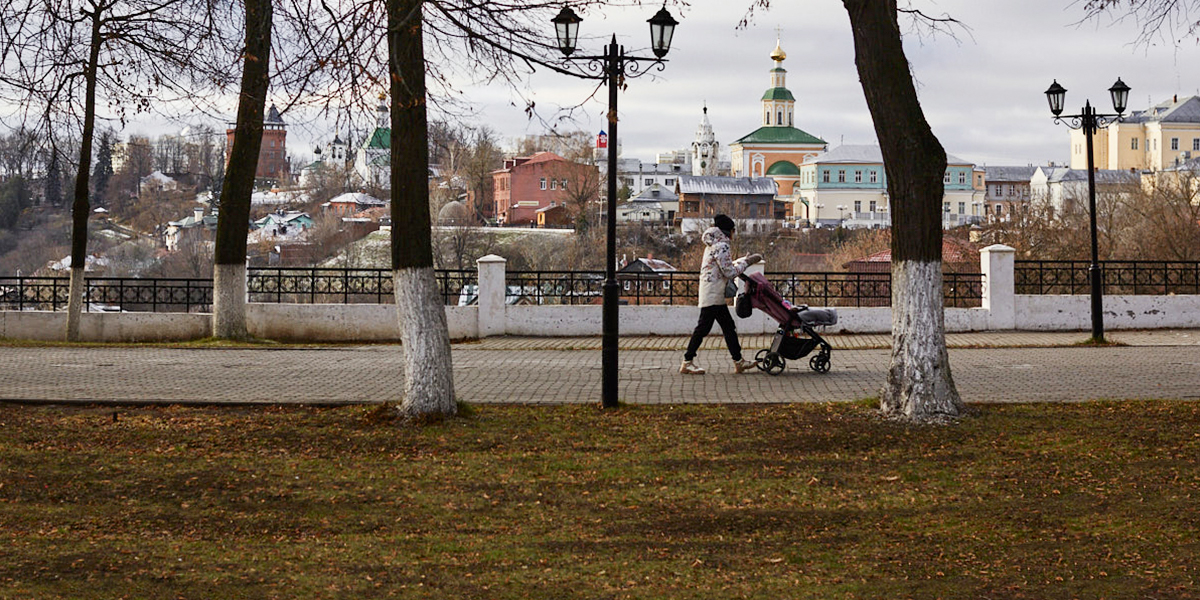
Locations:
(530, 183)
(272, 155)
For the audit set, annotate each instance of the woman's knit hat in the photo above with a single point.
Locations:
(723, 223)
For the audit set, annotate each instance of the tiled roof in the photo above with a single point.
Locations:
(690, 184)
(779, 135)
(1022, 174)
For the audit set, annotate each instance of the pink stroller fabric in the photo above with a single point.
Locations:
(766, 298)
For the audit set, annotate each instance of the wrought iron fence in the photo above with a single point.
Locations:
(298, 285)
(682, 288)
(102, 294)
(1136, 277)
(587, 287)
(959, 290)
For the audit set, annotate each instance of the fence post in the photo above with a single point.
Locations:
(999, 285)
(492, 287)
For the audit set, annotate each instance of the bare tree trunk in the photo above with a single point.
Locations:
(233, 223)
(919, 385)
(429, 374)
(80, 208)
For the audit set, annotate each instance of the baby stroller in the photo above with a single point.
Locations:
(796, 337)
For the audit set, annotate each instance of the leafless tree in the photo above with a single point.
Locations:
(63, 57)
(919, 384)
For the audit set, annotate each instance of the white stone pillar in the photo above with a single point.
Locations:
(999, 285)
(492, 317)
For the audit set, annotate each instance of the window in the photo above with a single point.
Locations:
(946, 207)
(1156, 143)
(648, 182)
(780, 118)
(874, 176)
(542, 183)
(946, 177)
(668, 182)
(858, 206)
(825, 176)
(962, 177)
(767, 117)
(563, 184)
(1195, 144)
(999, 209)
(858, 177)
(872, 205)
(554, 184)
(962, 208)
(1009, 189)
(996, 190)
(841, 176)
(1174, 143)
(1133, 144)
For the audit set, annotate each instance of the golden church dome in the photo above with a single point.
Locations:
(778, 53)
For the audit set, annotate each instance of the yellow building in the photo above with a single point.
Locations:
(1151, 140)
(777, 149)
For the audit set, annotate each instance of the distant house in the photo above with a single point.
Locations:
(196, 228)
(283, 226)
(526, 184)
(749, 202)
(157, 182)
(1065, 190)
(1007, 189)
(352, 203)
(553, 216)
(646, 280)
(656, 205)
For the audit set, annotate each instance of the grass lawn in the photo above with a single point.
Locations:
(1095, 500)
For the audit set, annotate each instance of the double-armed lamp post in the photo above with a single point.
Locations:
(1090, 121)
(613, 67)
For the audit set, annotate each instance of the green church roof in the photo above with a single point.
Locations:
(382, 138)
(779, 135)
(778, 94)
(783, 167)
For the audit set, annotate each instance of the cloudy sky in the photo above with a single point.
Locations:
(982, 91)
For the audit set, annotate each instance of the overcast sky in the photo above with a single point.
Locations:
(982, 92)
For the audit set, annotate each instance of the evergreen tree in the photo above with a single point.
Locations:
(103, 171)
(53, 191)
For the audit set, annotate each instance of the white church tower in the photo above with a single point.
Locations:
(705, 156)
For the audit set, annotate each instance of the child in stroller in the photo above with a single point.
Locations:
(788, 343)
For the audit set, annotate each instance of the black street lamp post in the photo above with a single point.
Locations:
(613, 67)
(1090, 121)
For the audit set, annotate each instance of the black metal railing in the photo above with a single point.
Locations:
(298, 285)
(959, 290)
(132, 294)
(682, 288)
(1135, 277)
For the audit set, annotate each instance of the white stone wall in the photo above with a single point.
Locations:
(1001, 310)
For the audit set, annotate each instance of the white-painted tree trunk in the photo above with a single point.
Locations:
(229, 301)
(429, 370)
(74, 303)
(919, 386)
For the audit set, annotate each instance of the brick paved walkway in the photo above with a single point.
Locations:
(988, 367)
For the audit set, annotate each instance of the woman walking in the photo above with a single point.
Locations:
(716, 271)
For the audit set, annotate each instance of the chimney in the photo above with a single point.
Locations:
(198, 213)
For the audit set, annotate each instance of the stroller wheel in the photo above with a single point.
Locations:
(775, 364)
(820, 363)
(760, 359)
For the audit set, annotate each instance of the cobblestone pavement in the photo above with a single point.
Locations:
(987, 367)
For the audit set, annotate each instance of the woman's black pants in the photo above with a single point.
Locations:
(720, 314)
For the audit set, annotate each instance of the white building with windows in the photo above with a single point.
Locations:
(847, 186)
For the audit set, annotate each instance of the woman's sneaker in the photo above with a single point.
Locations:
(741, 366)
(690, 369)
